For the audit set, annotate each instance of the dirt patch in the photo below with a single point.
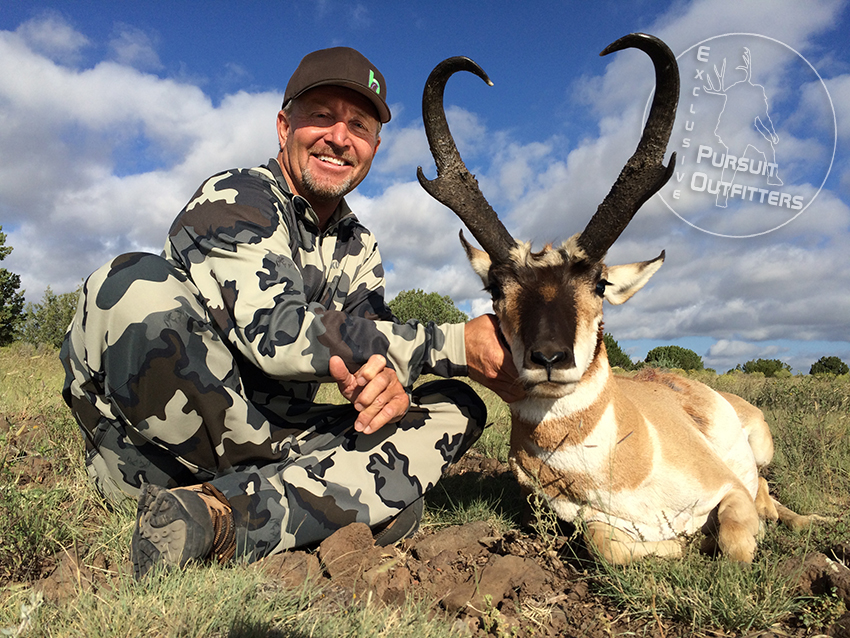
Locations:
(23, 462)
(486, 581)
(510, 583)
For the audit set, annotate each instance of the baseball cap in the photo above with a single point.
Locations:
(340, 66)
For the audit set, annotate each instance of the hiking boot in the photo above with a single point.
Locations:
(404, 525)
(178, 525)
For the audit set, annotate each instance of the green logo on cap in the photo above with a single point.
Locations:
(373, 82)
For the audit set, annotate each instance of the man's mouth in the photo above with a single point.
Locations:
(329, 159)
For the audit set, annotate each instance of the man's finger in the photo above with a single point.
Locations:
(338, 369)
(374, 388)
(371, 369)
(346, 382)
(395, 409)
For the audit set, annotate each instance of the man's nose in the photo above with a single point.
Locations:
(338, 134)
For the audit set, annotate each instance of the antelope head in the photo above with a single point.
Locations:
(549, 303)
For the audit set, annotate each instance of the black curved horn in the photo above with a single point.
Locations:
(454, 185)
(644, 174)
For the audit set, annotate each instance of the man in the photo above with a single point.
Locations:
(193, 374)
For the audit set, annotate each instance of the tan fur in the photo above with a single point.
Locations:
(620, 548)
(641, 461)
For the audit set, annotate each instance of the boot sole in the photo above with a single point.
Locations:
(169, 530)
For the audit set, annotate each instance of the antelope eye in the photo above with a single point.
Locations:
(495, 291)
(600, 287)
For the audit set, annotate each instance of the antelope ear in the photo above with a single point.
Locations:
(479, 260)
(627, 279)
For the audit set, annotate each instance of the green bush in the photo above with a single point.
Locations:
(11, 301)
(616, 357)
(47, 322)
(829, 365)
(674, 357)
(768, 367)
(425, 307)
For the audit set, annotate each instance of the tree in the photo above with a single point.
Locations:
(616, 356)
(11, 301)
(829, 365)
(768, 367)
(674, 357)
(425, 307)
(47, 322)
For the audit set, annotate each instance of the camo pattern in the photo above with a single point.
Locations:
(287, 295)
(203, 364)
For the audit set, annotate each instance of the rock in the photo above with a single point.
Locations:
(349, 553)
(67, 581)
(291, 569)
(497, 580)
(817, 574)
(399, 583)
(453, 538)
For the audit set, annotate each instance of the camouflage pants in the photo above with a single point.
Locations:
(161, 399)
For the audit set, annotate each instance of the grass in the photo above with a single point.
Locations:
(45, 513)
(232, 602)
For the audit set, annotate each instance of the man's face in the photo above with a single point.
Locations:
(328, 141)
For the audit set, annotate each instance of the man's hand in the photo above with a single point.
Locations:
(375, 391)
(488, 361)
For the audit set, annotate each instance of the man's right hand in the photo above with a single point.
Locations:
(374, 390)
(488, 361)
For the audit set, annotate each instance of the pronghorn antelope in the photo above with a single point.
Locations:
(641, 461)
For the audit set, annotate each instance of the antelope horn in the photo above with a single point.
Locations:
(644, 174)
(454, 185)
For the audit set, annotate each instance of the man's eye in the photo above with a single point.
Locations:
(600, 287)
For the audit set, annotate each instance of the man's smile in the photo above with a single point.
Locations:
(334, 160)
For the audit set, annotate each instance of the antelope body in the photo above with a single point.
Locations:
(641, 460)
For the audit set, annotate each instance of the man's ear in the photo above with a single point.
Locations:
(283, 127)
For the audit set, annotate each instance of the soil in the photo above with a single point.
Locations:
(485, 581)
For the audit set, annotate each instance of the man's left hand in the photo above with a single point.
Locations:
(375, 391)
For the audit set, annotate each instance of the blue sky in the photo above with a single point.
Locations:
(114, 112)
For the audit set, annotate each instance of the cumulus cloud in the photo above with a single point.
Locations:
(133, 47)
(108, 171)
(54, 38)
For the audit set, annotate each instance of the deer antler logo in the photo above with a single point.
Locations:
(744, 123)
(732, 178)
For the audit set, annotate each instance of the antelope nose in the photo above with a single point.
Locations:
(548, 361)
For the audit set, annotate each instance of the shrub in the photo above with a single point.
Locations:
(674, 357)
(768, 367)
(829, 365)
(425, 307)
(11, 301)
(47, 322)
(616, 357)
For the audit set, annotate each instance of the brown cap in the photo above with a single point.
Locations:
(340, 66)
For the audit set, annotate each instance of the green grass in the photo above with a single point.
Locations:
(810, 473)
(39, 522)
(224, 602)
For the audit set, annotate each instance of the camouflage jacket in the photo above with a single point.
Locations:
(286, 295)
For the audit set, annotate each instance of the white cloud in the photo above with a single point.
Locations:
(133, 47)
(54, 38)
(98, 161)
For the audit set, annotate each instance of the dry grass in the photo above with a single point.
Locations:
(47, 509)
